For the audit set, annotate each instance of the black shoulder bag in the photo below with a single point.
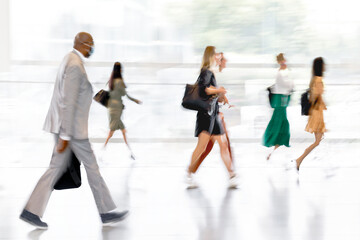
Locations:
(102, 97)
(269, 89)
(305, 103)
(193, 101)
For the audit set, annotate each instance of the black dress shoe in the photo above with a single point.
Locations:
(113, 217)
(33, 219)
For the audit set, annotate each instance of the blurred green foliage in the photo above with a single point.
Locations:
(245, 26)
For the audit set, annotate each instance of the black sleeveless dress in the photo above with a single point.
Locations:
(212, 124)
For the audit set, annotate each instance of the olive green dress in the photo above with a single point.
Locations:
(116, 106)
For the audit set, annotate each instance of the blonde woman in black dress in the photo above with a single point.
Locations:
(222, 99)
(115, 105)
(209, 126)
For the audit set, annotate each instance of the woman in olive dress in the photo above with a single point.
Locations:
(115, 105)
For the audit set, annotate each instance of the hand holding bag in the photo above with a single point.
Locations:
(102, 97)
(193, 101)
(72, 177)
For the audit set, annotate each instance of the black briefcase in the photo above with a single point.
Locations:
(72, 177)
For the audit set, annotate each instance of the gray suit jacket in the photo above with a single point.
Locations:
(70, 104)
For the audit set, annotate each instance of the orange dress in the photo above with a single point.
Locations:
(316, 122)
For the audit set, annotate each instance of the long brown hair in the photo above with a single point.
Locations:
(317, 69)
(116, 73)
(207, 57)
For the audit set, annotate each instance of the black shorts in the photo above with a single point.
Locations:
(211, 124)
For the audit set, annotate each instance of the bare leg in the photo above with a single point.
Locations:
(203, 140)
(124, 135)
(210, 146)
(111, 133)
(318, 137)
(126, 142)
(268, 157)
(208, 149)
(226, 134)
(224, 151)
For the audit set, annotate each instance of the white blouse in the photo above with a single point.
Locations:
(284, 85)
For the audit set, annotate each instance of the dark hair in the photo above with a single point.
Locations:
(318, 67)
(116, 73)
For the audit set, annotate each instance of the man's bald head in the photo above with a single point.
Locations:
(83, 42)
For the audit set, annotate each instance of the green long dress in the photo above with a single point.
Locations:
(278, 129)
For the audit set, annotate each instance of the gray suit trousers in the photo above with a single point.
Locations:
(59, 162)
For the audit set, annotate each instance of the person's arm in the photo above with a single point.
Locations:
(214, 90)
(133, 99)
(71, 86)
(223, 99)
(319, 86)
(319, 90)
(205, 84)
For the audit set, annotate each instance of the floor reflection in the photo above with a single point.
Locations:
(35, 234)
(203, 214)
(315, 221)
(228, 226)
(213, 221)
(274, 218)
(115, 232)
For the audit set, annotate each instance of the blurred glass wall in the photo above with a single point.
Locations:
(160, 43)
(177, 30)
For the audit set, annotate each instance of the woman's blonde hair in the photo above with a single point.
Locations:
(207, 60)
(280, 57)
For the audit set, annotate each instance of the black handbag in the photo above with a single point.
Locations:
(270, 93)
(193, 101)
(305, 103)
(72, 177)
(102, 97)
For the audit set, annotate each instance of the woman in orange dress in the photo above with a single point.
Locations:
(315, 123)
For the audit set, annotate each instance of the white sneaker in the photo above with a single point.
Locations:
(234, 181)
(190, 181)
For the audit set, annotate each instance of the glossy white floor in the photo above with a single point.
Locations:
(322, 202)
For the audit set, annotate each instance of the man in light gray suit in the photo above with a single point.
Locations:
(68, 120)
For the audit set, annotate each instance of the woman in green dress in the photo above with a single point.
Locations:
(115, 104)
(277, 132)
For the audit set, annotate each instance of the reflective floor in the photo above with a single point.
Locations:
(322, 202)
